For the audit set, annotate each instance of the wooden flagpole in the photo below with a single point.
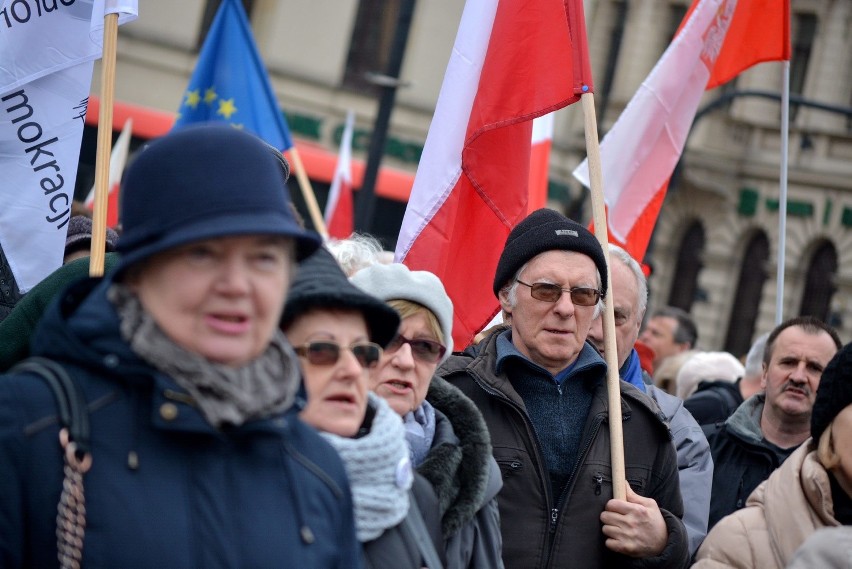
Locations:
(308, 192)
(104, 148)
(616, 432)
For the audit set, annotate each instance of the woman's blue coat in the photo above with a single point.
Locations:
(165, 488)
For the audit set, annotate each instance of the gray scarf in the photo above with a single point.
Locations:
(379, 470)
(265, 386)
(420, 431)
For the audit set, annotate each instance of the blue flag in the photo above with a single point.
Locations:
(230, 83)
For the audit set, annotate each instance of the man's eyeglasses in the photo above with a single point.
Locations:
(581, 295)
(327, 353)
(428, 351)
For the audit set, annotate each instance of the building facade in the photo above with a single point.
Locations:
(715, 251)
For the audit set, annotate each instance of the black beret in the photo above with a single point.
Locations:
(546, 230)
(321, 283)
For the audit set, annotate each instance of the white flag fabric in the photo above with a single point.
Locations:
(47, 53)
(117, 161)
(38, 38)
(639, 153)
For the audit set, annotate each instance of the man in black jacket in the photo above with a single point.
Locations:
(769, 426)
(542, 391)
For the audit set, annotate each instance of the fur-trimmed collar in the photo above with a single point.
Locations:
(458, 465)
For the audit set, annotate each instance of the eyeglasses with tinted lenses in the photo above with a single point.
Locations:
(327, 353)
(581, 295)
(428, 351)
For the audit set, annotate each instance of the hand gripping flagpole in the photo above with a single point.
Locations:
(616, 432)
(104, 148)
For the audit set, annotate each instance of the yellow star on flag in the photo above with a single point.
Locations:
(226, 108)
(210, 95)
(193, 98)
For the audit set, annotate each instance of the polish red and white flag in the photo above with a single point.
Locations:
(717, 40)
(117, 162)
(339, 209)
(512, 61)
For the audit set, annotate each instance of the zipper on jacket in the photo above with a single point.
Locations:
(554, 512)
(598, 483)
(569, 486)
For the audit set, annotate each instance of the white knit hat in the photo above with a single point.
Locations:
(397, 282)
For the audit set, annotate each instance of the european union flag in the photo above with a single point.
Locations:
(230, 83)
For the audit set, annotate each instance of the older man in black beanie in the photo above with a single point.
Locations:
(542, 390)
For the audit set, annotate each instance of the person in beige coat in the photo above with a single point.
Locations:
(811, 490)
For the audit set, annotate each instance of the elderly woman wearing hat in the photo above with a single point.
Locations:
(196, 455)
(811, 490)
(449, 441)
(338, 332)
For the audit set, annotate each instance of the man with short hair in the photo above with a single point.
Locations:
(669, 331)
(715, 400)
(542, 390)
(695, 465)
(769, 426)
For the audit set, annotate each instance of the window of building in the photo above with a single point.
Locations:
(372, 38)
(210, 9)
(747, 295)
(688, 266)
(803, 40)
(819, 282)
(619, 17)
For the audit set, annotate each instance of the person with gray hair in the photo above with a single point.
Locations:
(695, 466)
(357, 252)
(706, 365)
(542, 390)
(715, 400)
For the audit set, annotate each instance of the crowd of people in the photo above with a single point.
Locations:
(236, 393)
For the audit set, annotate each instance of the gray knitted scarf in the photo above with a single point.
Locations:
(379, 470)
(225, 395)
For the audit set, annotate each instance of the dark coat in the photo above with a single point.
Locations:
(714, 401)
(397, 547)
(741, 459)
(542, 531)
(466, 479)
(165, 488)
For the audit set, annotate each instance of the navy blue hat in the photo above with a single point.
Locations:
(320, 283)
(201, 182)
(545, 230)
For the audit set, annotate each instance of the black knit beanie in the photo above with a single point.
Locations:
(834, 392)
(546, 230)
(321, 283)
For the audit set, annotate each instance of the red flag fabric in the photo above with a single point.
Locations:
(759, 31)
(339, 210)
(542, 142)
(512, 61)
(717, 40)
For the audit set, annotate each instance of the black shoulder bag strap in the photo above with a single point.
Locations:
(74, 440)
(413, 525)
